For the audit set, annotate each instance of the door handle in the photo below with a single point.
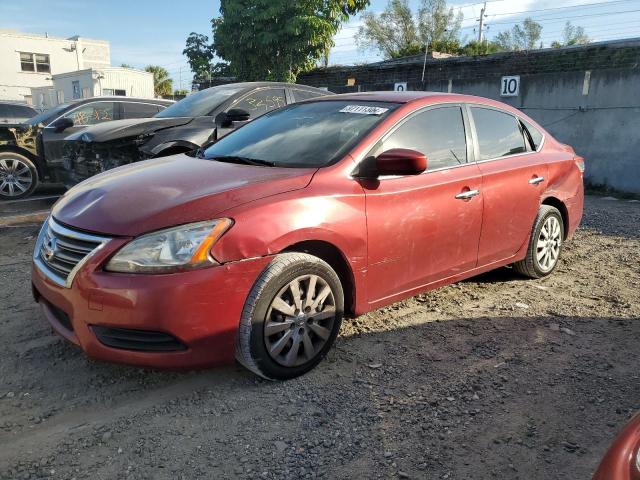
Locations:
(466, 195)
(536, 180)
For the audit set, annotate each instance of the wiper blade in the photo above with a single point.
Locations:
(244, 160)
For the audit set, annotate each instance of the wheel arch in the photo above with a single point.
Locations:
(26, 153)
(336, 259)
(173, 148)
(559, 204)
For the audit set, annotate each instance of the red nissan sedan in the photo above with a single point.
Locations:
(258, 246)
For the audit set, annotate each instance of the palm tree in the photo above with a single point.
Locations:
(162, 84)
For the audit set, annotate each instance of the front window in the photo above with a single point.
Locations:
(262, 101)
(303, 135)
(200, 104)
(438, 133)
(34, 62)
(92, 113)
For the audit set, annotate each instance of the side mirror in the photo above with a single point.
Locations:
(62, 124)
(226, 119)
(401, 161)
(238, 115)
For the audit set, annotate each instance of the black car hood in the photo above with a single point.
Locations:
(133, 127)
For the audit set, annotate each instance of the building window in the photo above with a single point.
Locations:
(35, 62)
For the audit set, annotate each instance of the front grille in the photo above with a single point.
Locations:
(141, 340)
(60, 251)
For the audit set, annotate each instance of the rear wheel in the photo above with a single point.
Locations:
(291, 317)
(18, 176)
(545, 244)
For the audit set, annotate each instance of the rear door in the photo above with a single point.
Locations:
(513, 180)
(84, 115)
(420, 228)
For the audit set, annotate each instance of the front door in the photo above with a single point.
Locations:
(424, 228)
(87, 114)
(513, 179)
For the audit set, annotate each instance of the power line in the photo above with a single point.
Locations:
(560, 8)
(554, 19)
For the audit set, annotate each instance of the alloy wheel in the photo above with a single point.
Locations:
(549, 243)
(15, 177)
(299, 320)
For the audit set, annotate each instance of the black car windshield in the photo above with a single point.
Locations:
(201, 103)
(48, 116)
(312, 134)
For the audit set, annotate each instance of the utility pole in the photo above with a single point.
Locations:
(481, 29)
(424, 64)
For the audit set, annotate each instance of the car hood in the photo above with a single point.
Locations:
(169, 191)
(132, 127)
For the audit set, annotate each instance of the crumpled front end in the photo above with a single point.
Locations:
(82, 160)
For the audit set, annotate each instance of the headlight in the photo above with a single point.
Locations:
(170, 250)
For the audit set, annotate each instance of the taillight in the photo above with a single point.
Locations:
(579, 163)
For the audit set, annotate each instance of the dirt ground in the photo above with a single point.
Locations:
(496, 377)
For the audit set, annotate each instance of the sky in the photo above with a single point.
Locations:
(144, 32)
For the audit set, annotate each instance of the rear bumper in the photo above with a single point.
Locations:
(575, 207)
(199, 309)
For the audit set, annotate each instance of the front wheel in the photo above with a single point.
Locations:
(291, 317)
(545, 244)
(18, 176)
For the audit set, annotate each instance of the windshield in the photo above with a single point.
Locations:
(201, 103)
(302, 135)
(46, 117)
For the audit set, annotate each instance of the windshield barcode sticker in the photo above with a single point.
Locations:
(364, 110)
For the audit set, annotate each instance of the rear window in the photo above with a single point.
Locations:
(300, 95)
(498, 132)
(138, 110)
(16, 111)
(534, 133)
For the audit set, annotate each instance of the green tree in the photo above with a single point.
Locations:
(439, 23)
(162, 84)
(397, 32)
(572, 35)
(180, 92)
(475, 48)
(521, 37)
(199, 53)
(277, 39)
(126, 65)
(394, 32)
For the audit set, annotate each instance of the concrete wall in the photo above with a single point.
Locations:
(588, 97)
(65, 55)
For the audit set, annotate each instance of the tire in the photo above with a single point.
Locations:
(270, 314)
(543, 253)
(18, 176)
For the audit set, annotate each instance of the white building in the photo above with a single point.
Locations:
(94, 82)
(29, 60)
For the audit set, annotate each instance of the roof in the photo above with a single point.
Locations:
(390, 96)
(121, 98)
(249, 85)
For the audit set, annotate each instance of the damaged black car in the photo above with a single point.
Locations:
(191, 123)
(31, 151)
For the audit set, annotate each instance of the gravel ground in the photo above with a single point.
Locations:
(496, 377)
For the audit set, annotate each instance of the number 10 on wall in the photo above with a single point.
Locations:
(510, 86)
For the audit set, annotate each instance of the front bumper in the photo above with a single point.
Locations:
(201, 309)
